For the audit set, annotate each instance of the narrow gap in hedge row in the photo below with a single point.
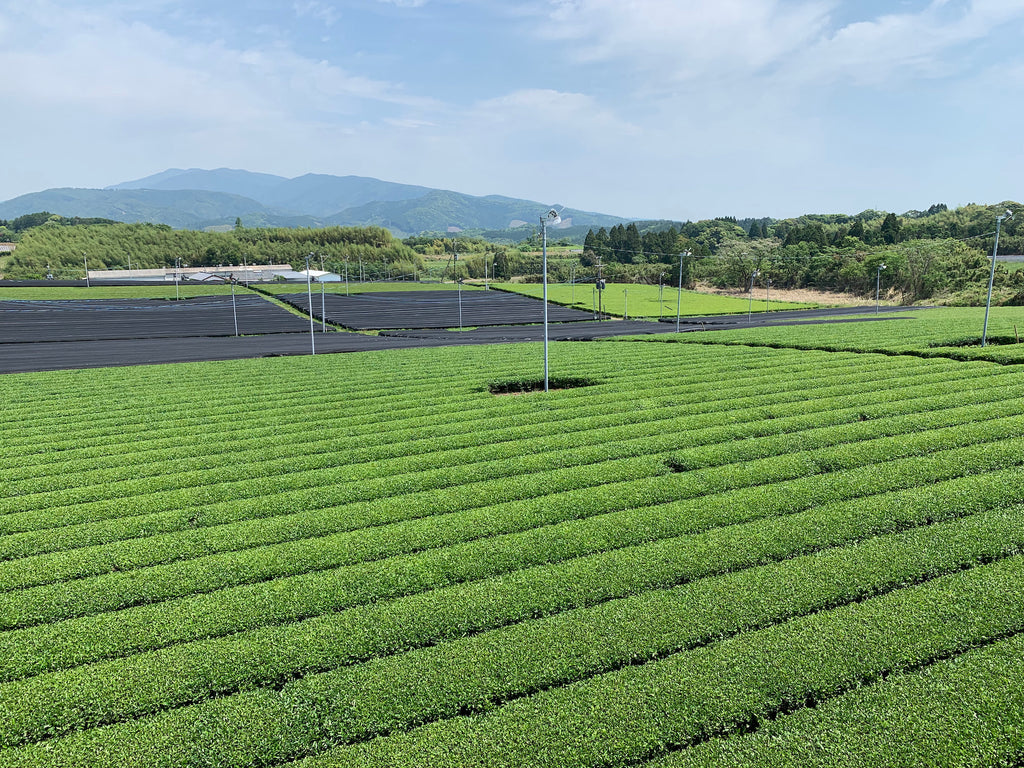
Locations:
(522, 386)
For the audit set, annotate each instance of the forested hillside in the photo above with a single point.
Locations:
(64, 248)
(938, 252)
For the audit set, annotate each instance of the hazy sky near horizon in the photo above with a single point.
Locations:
(681, 109)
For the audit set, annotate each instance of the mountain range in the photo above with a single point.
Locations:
(211, 199)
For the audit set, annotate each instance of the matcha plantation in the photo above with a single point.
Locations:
(711, 553)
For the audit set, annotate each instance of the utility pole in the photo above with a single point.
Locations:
(600, 288)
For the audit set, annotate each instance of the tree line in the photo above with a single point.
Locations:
(62, 248)
(927, 253)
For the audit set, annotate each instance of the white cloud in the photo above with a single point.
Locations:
(321, 11)
(542, 110)
(91, 62)
(686, 39)
(903, 47)
(694, 41)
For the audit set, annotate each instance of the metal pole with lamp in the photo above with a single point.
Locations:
(551, 217)
(458, 280)
(323, 300)
(679, 295)
(234, 308)
(309, 298)
(992, 274)
(85, 260)
(878, 284)
(750, 294)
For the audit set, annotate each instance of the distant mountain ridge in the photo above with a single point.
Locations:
(313, 194)
(199, 199)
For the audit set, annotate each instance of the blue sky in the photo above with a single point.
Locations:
(681, 109)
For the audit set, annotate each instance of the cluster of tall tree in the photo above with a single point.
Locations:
(11, 230)
(624, 244)
(938, 222)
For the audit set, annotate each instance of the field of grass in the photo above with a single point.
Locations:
(712, 555)
(942, 332)
(646, 301)
(160, 291)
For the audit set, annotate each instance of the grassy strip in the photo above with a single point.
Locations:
(559, 557)
(634, 710)
(82, 293)
(647, 300)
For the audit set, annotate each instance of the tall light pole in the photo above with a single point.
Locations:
(551, 217)
(750, 294)
(309, 296)
(234, 308)
(323, 300)
(85, 260)
(878, 284)
(458, 280)
(177, 277)
(992, 274)
(661, 295)
(679, 294)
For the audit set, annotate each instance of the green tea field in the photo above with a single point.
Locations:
(947, 332)
(649, 301)
(714, 554)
